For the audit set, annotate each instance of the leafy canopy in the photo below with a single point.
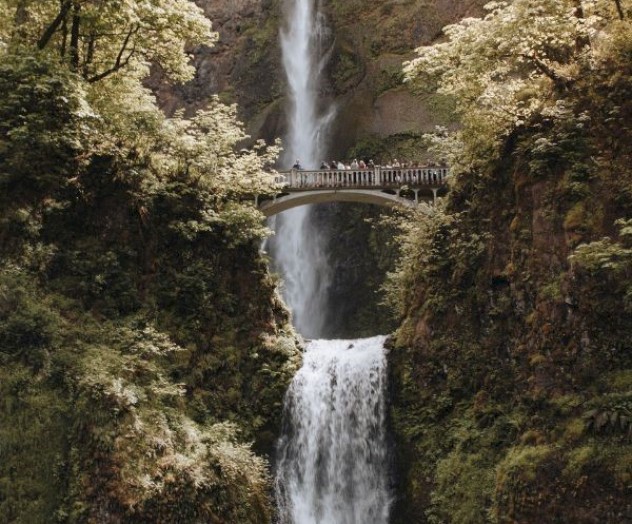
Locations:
(512, 64)
(97, 38)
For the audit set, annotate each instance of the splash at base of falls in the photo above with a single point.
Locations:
(332, 458)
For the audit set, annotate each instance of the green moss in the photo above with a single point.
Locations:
(574, 430)
(618, 381)
(519, 467)
(464, 487)
(576, 218)
(578, 459)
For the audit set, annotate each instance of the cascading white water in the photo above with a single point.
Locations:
(332, 461)
(298, 247)
(332, 457)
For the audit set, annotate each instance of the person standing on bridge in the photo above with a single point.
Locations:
(297, 165)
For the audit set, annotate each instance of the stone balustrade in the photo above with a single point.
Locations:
(376, 178)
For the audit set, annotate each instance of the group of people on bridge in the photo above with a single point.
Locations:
(361, 164)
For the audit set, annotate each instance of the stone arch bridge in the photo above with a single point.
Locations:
(404, 187)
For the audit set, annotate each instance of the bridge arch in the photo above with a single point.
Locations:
(292, 200)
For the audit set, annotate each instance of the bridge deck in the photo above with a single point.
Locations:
(374, 178)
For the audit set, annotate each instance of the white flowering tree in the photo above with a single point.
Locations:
(97, 38)
(511, 64)
(101, 51)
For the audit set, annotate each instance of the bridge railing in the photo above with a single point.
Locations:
(379, 177)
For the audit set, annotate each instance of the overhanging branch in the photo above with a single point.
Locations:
(120, 62)
(54, 25)
(559, 80)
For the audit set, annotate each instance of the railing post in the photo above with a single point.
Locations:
(378, 176)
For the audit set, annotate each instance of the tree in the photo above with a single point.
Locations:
(61, 123)
(45, 127)
(510, 65)
(98, 38)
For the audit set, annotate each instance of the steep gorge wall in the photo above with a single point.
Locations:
(512, 370)
(367, 45)
(378, 115)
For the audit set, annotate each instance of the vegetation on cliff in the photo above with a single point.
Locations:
(512, 369)
(142, 343)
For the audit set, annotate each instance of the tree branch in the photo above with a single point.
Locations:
(619, 9)
(120, 62)
(89, 54)
(52, 28)
(559, 80)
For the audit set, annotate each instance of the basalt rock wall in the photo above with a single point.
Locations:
(376, 113)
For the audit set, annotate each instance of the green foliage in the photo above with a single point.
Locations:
(45, 123)
(499, 67)
(132, 417)
(434, 252)
(464, 487)
(98, 39)
(609, 263)
(612, 414)
(143, 346)
(34, 424)
(109, 394)
(466, 477)
(28, 328)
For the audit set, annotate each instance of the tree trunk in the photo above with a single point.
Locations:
(89, 55)
(619, 9)
(74, 37)
(52, 28)
(64, 38)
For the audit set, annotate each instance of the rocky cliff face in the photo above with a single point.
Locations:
(511, 371)
(243, 67)
(372, 40)
(368, 44)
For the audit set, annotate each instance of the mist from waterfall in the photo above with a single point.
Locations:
(299, 249)
(332, 460)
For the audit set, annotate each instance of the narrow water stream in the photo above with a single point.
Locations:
(298, 248)
(332, 465)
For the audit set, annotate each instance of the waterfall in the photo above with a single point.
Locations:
(332, 458)
(298, 248)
